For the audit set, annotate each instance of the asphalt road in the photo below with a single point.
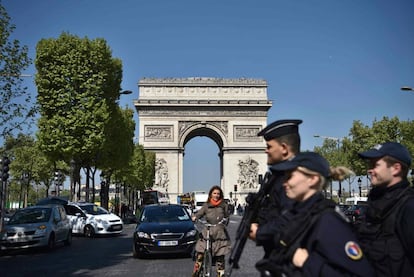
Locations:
(112, 256)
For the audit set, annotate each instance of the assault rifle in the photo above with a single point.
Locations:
(254, 202)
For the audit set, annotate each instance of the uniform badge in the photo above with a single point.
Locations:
(353, 250)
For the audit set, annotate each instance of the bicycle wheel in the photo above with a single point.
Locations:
(207, 264)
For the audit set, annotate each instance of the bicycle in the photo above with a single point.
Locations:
(207, 264)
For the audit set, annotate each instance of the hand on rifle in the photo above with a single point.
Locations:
(253, 231)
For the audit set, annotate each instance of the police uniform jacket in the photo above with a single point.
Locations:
(270, 214)
(387, 234)
(221, 244)
(332, 245)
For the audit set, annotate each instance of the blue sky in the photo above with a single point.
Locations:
(327, 62)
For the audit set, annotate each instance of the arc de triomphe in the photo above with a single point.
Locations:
(231, 112)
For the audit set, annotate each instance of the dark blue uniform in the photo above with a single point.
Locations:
(332, 245)
(270, 220)
(387, 234)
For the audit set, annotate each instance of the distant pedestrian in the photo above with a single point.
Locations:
(124, 210)
(387, 233)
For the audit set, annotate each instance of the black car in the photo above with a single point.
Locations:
(356, 213)
(162, 229)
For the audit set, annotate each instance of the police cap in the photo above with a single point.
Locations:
(280, 128)
(392, 149)
(310, 160)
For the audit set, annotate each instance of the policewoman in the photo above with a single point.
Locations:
(315, 240)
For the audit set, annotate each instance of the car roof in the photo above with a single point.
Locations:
(82, 203)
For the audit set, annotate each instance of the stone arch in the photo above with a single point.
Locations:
(203, 129)
(231, 112)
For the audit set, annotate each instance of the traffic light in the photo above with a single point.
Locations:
(235, 188)
(58, 178)
(5, 169)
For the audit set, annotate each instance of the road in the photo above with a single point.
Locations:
(112, 256)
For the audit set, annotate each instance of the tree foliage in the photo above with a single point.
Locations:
(78, 84)
(363, 137)
(16, 109)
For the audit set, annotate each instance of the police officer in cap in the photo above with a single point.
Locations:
(387, 233)
(315, 239)
(282, 143)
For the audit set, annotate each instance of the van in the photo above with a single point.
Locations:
(355, 200)
(199, 199)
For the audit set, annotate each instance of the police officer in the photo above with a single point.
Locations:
(282, 143)
(387, 234)
(315, 239)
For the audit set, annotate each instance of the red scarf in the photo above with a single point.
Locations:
(215, 203)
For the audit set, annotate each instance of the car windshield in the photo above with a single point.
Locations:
(34, 215)
(164, 214)
(94, 209)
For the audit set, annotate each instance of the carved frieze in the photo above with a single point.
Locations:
(161, 174)
(215, 113)
(246, 133)
(158, 133)
(248, 174)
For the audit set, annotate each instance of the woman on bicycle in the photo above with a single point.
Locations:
(215, 211)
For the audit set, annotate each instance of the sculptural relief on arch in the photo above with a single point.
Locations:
(231, 112)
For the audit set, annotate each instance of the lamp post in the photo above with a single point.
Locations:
(72, 177)
(360, 186)
(338, 142)
(407, 88)
(126, 92)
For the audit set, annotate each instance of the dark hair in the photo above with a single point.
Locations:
(213, 189)
(293, 140)
(391, 161)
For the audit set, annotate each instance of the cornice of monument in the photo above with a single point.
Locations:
(202, 81)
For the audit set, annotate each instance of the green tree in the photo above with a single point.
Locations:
(386, 129)
(118, 148)
(78, 85)
(16, 108)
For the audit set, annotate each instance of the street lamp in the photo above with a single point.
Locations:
(126, 92)
(407, 88)
(72, 178)
(360, 186)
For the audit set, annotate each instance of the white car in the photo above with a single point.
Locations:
(90, 219)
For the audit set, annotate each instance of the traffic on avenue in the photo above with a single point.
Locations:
(112, 255)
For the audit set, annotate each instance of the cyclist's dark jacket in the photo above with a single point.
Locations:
(387, 234)
(269, 217)
(329, 239)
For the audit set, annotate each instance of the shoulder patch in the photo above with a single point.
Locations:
(353, 251)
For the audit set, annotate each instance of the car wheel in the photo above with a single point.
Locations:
(89, 231)
(68, 240)
(135, 252)
(51, 242)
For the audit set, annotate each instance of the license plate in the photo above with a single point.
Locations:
(168, 243)
(117, 227)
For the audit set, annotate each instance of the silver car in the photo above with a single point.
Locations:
(36, 226)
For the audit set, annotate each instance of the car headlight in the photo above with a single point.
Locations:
(191, 233)
(41, 230)
(102, 221)
(143, 235)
